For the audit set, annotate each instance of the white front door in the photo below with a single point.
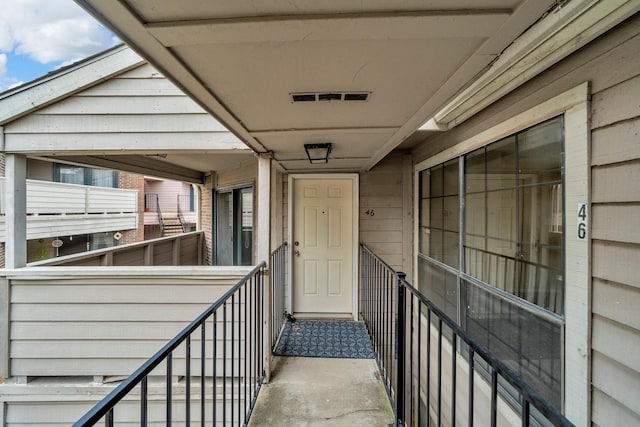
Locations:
(323, 247)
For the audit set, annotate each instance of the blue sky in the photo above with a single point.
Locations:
(39, 36)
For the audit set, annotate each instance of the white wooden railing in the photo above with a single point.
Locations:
(57, 209)
(46, 198)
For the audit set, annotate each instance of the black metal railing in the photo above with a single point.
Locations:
(228, 369)
(183, 223)
(278, 284)
(152, 204)
(433, 370)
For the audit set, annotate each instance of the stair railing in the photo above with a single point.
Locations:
(233, 330)
(183, 222)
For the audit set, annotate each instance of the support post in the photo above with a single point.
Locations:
(15, 196)
(263, 249)
(401, 340)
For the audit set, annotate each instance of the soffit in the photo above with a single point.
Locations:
(242, 60)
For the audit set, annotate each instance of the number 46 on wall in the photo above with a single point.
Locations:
(582, 221)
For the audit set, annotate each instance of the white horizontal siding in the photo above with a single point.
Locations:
(46, 197)
(136, 110)
(41, 227)
(104, 324)
(68, 123)
(381, 211)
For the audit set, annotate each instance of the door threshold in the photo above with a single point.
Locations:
(324, 316)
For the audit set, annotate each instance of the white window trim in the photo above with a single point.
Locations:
(574, 105)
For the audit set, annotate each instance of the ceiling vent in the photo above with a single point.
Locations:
(329, 96)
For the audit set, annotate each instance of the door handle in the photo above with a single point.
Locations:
(297, 253)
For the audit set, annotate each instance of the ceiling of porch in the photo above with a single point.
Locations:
(243, 60)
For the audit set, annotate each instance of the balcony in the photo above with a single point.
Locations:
(57, 209)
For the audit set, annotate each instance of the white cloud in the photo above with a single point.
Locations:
(3, 64)
(50, 30)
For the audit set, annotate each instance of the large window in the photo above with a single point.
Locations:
(234, 226)
(70, 174)
(499, 271)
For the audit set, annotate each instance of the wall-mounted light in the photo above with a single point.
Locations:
(318, 153)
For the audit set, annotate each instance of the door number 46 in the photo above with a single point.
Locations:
(582, 221)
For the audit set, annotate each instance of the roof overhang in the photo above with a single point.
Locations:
(436, 62)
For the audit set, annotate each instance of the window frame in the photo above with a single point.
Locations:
(573, 105)
(87, 175)
(236, 191)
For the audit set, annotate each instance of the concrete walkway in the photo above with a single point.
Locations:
(323, 392)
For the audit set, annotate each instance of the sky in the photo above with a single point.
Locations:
(39, 36)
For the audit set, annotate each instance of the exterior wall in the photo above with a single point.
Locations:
(385, 211)
(134, 107)
(40, 170)
(206, 217)
(133, 181)
(612, 66)
(167, 192)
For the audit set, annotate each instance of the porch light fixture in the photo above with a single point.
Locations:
(318, 153)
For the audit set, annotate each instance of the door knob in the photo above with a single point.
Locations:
(297, 253)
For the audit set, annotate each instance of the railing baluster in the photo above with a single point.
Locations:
(108, 420)
(419, 367)
(214, 375)
(454, 350)
(439, 371)
(224, 362)
(428, 364)
(411, 329)
(400, 395)
(233, 330)
(187, 390)
(494, 398)
(525, 413)
(143, 402)
(203, 372)
(246, 357)
(169, 387)
(471, 385)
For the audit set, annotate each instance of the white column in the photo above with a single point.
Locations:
(15, 196)
(263, 244)
(263, 249)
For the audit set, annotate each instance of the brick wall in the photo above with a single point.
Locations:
(206, 217)
(132, 181)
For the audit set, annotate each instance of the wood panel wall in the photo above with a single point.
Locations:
(138, 105)
(611, 65)
(77, 323)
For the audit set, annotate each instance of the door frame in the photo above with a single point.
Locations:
(354, 177)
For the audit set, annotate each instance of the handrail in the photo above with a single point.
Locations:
(106, 406)
(160, 218)
(278, 284)
(395, 376)
(183, 223)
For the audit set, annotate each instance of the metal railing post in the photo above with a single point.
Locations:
(400, 351)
